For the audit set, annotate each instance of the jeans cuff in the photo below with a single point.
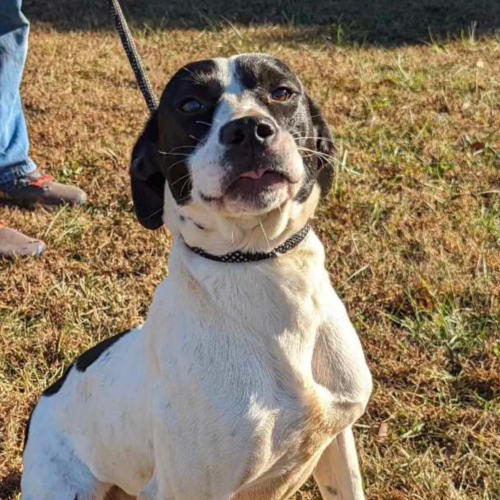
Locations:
(10, 174)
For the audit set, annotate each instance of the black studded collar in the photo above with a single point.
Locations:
(242, 257)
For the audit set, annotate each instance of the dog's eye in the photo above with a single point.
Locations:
(281, 94)
(191, 105)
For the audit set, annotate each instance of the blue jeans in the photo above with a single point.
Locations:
(14, 144)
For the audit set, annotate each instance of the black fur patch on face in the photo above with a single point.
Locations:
(171, 135)
(265, 74)
(300, 116)
(181, 130)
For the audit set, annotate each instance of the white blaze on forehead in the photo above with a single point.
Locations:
(236, 100)
(226, 71)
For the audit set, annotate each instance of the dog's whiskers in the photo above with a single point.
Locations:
(234, 225)
(181, 179)
(265, 235)
(156, 212)
(297, 135)
(177, 163)
(207, 123)
(183, 147)
(184, 187)
(180, 200)
(174, 154)
(196, 139)
(319, 154)
(194, 77)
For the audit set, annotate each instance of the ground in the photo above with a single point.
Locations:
(411, 228)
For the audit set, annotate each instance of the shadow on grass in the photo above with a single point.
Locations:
(378, 22)
(10, 484)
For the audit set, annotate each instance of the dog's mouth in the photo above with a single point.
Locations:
(257, 182)
(254, 183)
(256, 187)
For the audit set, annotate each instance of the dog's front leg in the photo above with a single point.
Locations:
(337, 474)
(150, 491)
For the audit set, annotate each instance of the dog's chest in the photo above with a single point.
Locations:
(284, 443)
(264, 414)
(238, 367)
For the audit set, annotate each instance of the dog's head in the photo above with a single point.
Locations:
(236, 149)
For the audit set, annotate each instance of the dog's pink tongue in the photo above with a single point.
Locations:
(254, 175)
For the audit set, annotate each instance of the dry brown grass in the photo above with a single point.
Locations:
(412, 228)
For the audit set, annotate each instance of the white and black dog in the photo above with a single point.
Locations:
(247, 375)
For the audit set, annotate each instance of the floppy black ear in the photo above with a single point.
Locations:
(325, 147)
(148, 182)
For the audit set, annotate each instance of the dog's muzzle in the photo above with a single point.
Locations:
(252, 157)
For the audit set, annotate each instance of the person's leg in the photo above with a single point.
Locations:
(20, 181)
(14, 143)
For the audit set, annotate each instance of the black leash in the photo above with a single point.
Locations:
(133, 56)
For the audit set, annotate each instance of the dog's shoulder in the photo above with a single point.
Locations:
(339, 362)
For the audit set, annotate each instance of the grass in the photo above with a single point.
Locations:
(412, 226)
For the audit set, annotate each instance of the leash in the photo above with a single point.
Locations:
(133, 56)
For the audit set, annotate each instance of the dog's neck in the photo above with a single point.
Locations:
(250, 287)
(282, 298)
(218, 234)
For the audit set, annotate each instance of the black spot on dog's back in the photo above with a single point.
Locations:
(27, 429)
(54, 388)
(50, 391)
(92, 355)
(83, 362)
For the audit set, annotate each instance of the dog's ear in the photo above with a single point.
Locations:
(148, 182)
(324, 146)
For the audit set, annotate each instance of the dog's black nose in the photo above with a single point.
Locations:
(248, 132)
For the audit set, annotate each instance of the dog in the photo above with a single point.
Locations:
(247, 375)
